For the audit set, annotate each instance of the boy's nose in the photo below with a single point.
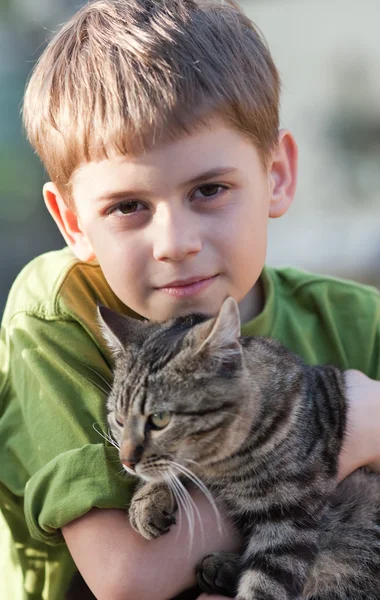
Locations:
(175, 237)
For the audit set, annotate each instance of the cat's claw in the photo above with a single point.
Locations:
(218, 573)
(151, 512)
(152, 530)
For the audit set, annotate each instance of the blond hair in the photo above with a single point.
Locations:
(122, 74)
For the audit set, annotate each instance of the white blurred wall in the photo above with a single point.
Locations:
(328, 54)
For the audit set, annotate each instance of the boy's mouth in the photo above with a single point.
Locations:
(181, 288)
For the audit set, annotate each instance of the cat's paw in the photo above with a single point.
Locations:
(152, 509)
(218, 573)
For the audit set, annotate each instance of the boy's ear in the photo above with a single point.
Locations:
(283, 174)
(68, 223)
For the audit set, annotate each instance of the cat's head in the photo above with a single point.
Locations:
(180, 392)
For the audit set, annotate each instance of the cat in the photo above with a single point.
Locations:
(263, 431)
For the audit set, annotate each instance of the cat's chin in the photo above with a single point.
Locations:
(130, 471)
(149, 477)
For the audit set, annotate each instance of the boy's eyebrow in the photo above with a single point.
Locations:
(217, 172)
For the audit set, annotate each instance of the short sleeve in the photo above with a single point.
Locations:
(59, 379)
(351, 317)
(323, 319)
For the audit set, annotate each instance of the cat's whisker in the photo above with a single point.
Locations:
(166, 478)
(100, 376)
(187, 505)
(122, 471)
(106, 437)
(190, 509)
(195, 508)
(169, 479)
(199, 483)
(112, 439)
(115, 460)
(194, 462)
(192, 505)
(104, 391)
(180, 501)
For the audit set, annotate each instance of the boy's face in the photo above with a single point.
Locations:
(179, 228)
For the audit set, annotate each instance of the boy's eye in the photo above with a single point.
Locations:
(126, 207)
(209, 190)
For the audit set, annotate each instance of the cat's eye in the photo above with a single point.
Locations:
(159, 420)
(119, 422)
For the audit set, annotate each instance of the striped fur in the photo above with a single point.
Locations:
(263, 431)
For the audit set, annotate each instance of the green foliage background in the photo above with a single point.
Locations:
(26, 229)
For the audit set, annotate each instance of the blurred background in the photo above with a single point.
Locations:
(328, 54)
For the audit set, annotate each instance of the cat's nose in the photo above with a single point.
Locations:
(130, 463)
(130, 455)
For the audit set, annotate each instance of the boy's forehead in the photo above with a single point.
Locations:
(214, 147)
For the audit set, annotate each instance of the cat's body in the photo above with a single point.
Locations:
(263, 431)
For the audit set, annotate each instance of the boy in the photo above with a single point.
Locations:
(158, 125)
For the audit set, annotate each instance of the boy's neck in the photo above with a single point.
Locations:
(253, 303)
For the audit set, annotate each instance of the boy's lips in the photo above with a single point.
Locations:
(181, 288)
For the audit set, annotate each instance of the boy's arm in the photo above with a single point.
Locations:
(118, 563)
(69, 469)
(362, 444)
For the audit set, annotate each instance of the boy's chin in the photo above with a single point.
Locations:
(164, 311)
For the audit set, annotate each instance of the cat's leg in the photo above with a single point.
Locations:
(348, 564)
(349, 570)
(370, 591)
(152, 508)
(354, 594)
(218, 573)
(277, 560)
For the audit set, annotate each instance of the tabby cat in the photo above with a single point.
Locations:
(192, 401)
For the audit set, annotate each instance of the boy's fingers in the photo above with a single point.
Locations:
(362, 443)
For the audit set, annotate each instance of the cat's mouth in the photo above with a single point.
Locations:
(163, 470)
(152, 469)
(151, 474)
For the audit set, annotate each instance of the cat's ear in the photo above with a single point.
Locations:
(119, 331)
(223, 339)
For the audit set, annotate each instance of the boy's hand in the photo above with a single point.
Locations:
(117, 562)
(362, 444)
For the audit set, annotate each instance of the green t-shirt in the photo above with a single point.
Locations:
(54, 369)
